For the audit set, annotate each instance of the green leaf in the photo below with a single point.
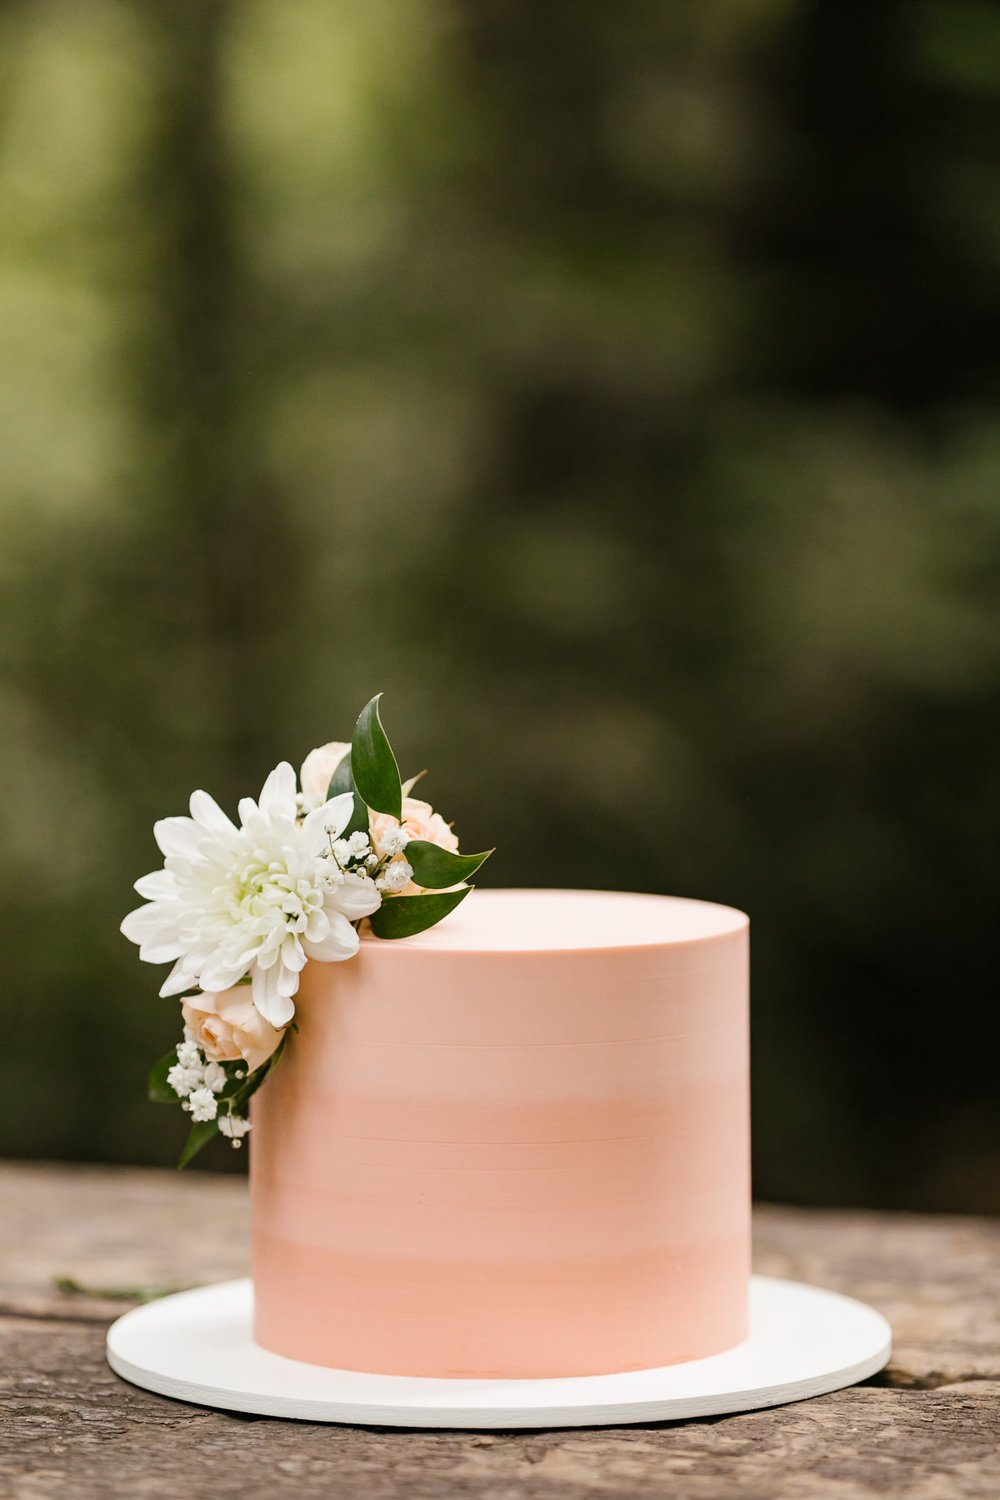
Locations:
(376, 774)
(411, 782)
(70, 1287)
(435, 868)
(358, 821)
(198, 1136)
(402, 916)
(341, 781)
(159, 1089)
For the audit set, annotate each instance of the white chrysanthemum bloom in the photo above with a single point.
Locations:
(203, 1105)
(260, 899)
(234, 1126)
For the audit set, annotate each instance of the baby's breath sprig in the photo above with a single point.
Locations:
(382, 863)
(214, 1094)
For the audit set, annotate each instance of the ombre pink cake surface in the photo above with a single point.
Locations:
(514, 1146)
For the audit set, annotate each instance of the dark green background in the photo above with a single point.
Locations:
(615, 386)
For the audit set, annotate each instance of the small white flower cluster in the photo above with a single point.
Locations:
(197, 1082)
(393, 841)
(395, 877)
(381, 861)
(353, 850)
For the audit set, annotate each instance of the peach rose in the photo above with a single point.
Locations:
(421, 822)
(228, 1026)
(317, 768)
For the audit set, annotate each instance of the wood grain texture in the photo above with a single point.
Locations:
(926, 1429)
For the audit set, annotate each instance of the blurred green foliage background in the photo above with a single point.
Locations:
(616, 387)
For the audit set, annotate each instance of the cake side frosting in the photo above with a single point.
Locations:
(513, 1149)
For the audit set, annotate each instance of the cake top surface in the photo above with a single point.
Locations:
(519, 921)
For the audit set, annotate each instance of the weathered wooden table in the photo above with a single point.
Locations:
(928, 1427)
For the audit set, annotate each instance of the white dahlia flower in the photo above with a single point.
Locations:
(259, 899)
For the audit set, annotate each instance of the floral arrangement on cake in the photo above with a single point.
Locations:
(240, 909)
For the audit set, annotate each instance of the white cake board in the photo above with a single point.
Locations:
(197, 1346)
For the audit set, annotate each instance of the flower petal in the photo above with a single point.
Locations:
(277, 795)
(356, 897)
(340, 942)
(207, 1002)
(177, 836)
(292, 955)
(160, 953)
(147, 923)
(335, 814)
(317, 769)
(178, 980)
(288, 982)
(158, 886)
(207, 813)
(317, 925)
(217, 975)
(270, 1003)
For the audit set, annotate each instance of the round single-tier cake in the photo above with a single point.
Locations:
(513, 1146)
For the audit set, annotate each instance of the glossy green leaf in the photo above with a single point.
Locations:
(436, 869)
(402, 916)
(358, 821)
(198, 1136)
(159, 1089)
(376, 774)
(342, 781)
